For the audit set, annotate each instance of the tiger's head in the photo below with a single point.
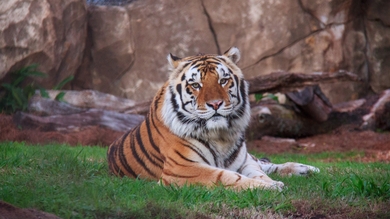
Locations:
(206, 95)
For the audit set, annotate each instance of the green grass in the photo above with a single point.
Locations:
(73, 182)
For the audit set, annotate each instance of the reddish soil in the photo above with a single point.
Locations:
(376, 146)
(87, 136)
(9, 211)
(347, 138)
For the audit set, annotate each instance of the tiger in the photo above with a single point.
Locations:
(194, 131)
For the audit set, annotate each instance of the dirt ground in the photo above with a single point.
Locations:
(87, 136)
(376, 146)
(346, 138)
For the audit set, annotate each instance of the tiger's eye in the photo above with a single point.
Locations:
(223, 81)
(195, 85)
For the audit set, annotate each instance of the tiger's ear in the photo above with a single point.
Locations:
(233, 54)
(173, 61)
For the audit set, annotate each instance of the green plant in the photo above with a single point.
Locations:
(16, 94)
(259, 97)
(60, 95)
(359, 186)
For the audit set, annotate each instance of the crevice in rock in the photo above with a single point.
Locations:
(281, 49)
(366, 50)
(328, 26)
(130, 66)
(133, 56)
(211, 27)
(377, 20)
(307, 11)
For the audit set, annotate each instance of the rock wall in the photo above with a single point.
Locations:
(126, 46)
(51, 33)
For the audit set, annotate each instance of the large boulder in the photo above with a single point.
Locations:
(51, 33)
(110, 50)
(131, 43)
(378, 46)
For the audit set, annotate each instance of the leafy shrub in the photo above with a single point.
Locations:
(16, 94)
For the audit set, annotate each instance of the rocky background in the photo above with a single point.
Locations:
(120, 47)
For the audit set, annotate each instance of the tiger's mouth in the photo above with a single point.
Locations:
(216, 117)
(217, 121)
(213, 115)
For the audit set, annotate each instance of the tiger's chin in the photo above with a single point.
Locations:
(217, 122)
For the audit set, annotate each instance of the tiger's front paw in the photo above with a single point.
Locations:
(272, 185)
(278, 185)
(298, 169)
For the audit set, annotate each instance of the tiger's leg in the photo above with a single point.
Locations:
(210, 176)
(286, 169)
(247, 165)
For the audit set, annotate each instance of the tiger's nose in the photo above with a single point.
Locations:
(215, 104)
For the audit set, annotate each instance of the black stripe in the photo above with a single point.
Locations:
(210, 149)
(122, 157)
(232, 84)
(242, 167)
(183, 77)
(157, 158)
(188, 90)
(184, 158)
(230, 70)
(178, 176)
(265, 159)
(137, 158)
(186, 103)
(173, 101)
(185, 65)
(157, 99)
(197, 65)
(200, 154)
(184, 119)
(243, 94)
(238, 90)
(176, 163)
(232, 157)
(213, 62)
(143, 150)
(178, 88)
(151, 141)
(111, 159)
(240, 111)
(239, 177)
(243, 91)
(214, 59)
(147, 123)
(154, 124)
(219, 177)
